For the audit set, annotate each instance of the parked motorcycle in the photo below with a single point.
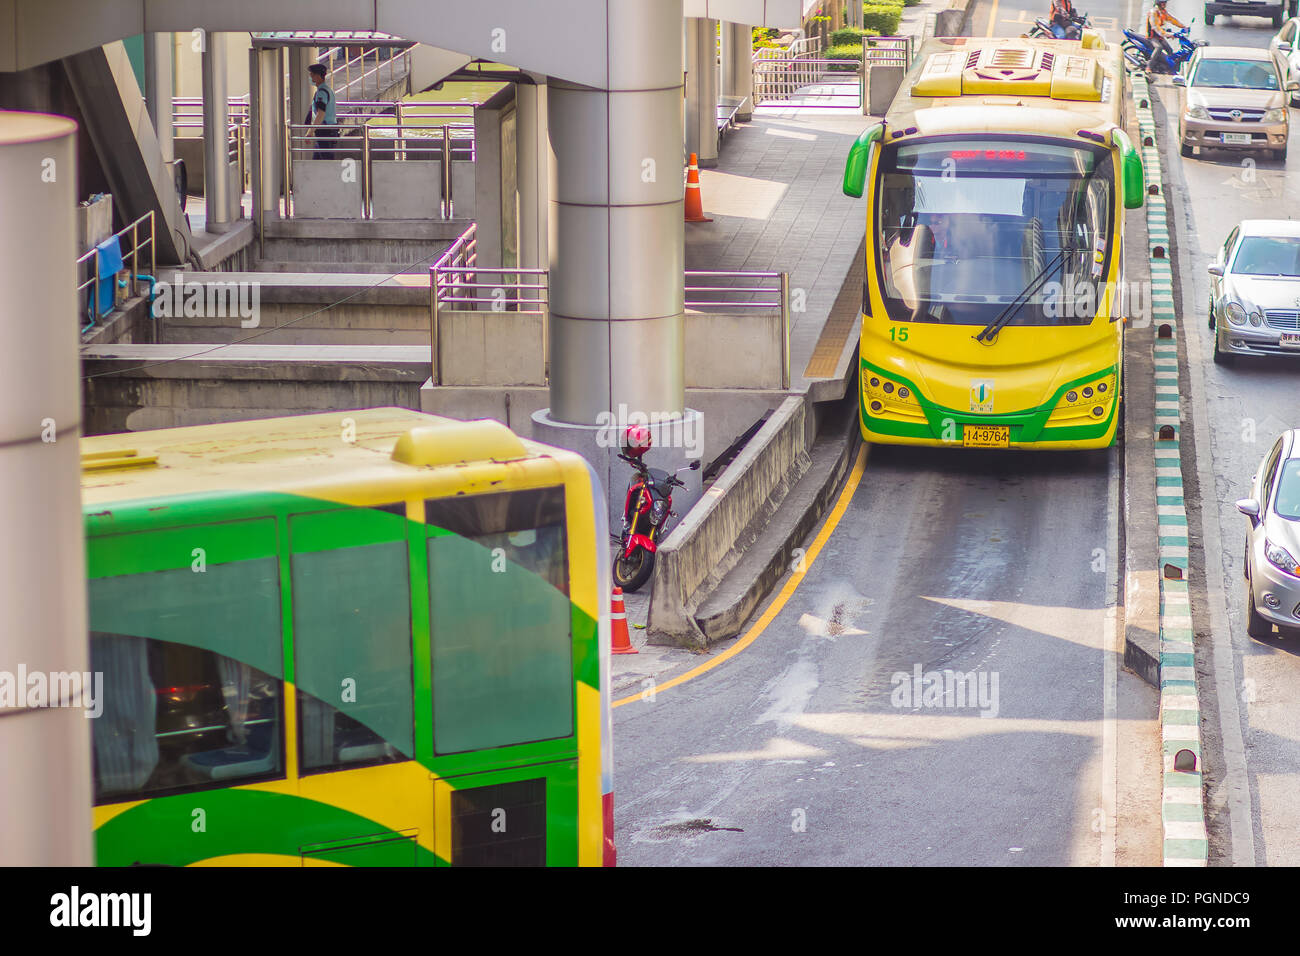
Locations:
(647, 512)
(1139, 50)
(1043, 27)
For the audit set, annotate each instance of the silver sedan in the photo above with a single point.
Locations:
(1273, 542)
(1255, 291)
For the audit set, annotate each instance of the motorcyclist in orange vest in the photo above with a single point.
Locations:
(1062, 18)
(1160, 22)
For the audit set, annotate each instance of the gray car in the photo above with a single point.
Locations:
(1273, 542)
(1255, 291)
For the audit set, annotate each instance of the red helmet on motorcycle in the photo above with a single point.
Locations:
(636, 440)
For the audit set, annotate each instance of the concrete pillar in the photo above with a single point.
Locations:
(489, 176)
(617, 248)
(266, 97)
(738, 66)
(533, 169)
(300, 88)
(158, 88)
(702, 89)
(46, 818)
(216, 179)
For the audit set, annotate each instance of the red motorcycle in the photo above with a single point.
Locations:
(647, 511)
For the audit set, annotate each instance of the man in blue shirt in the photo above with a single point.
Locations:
(322, 114)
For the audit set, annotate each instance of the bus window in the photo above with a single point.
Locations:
(500, 619)
(191, 664)
(352, 638)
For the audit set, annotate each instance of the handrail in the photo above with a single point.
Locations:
(133, 256)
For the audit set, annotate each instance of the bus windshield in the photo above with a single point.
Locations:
(969, 229)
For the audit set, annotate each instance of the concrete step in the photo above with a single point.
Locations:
(321, 267)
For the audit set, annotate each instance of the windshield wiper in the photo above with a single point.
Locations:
(1023, 297)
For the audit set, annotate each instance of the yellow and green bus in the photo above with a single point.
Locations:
(996, 186)
(361, 638)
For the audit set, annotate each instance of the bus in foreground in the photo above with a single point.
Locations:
(996, 186)
(361, 638)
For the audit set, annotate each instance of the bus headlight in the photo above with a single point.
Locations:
(1235, 313)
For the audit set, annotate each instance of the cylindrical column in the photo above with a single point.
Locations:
(702, 89)
(216, 123)
(158, 88)
(738, 66)
(300, 89)
(617, 261)
(46, 793)
(269, 116)
(532, 152)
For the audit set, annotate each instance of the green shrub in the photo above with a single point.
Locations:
(910, 3)
(850, 35)
(882, 17)
(851, 52)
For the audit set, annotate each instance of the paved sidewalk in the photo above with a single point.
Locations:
(777, 205)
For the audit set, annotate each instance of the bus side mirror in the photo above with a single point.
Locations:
(1131, 168)
(855, 170)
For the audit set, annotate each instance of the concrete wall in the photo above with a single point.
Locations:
(728, 413)
(408, 189)
(733, 349)
(187, 60)
(241, 383)
(491, 348)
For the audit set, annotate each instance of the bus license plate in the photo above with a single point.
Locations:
(1289, 340)
(1237, 139)
(986, 436)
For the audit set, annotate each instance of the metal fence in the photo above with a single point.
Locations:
(371, 63)
(887, 51)
(89, 289)
(458, 283)
(381, 142)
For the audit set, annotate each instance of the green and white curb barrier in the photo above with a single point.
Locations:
(1182, 804)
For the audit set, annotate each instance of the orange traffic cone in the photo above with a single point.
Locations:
(622, 643)
(694, 201)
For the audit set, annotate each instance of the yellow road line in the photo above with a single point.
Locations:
(787, 592)
(993, 18)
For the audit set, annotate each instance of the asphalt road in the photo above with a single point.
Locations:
(1240, 411)
(803, 750)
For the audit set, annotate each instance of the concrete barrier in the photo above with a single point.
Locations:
(703, 546)
(954, 21)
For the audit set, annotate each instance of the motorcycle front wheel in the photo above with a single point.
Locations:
(633, 571)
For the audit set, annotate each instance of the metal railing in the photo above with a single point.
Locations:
(887, 51)
(187, 113)
(757, 291)
(808, 82)
(353, 73)
(133, 270)
(458, 283)
(381, 142)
